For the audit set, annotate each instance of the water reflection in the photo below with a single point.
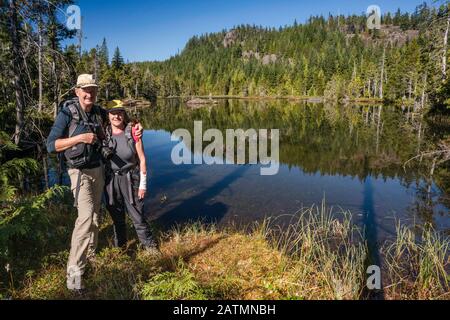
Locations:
(352, 155)
(325, 138)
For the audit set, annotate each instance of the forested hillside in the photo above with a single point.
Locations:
(335, 56)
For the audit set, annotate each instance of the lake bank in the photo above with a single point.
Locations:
(312, 99)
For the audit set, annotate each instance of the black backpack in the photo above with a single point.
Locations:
(80, 155)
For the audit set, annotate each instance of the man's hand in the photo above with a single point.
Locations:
(88, 138)
(67, 143)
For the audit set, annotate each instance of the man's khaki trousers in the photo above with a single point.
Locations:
(85, 232)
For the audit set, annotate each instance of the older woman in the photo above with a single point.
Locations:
(126, 177)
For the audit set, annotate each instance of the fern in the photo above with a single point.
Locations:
(12, 170)
(7, 192)
(6, 144)
(173, 285)
(26, 218)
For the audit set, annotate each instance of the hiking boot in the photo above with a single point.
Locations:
(75, 282)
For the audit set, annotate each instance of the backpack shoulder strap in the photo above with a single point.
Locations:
(72, 106)
(108, 133)
(128, 132)
(129, 136)
(98, 115)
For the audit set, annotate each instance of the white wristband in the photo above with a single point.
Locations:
(143, 181)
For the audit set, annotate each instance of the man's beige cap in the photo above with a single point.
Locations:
(86, 80)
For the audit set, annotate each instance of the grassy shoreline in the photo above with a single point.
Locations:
(143, 103)
(321, 255)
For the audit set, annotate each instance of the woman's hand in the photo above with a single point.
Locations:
(141, 194)
(139, 130)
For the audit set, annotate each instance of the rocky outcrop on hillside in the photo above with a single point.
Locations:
(269, 58)
(264, 59)
(389, 34)
(230, 38)
(396, 36)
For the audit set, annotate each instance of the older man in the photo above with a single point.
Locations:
(78, 133)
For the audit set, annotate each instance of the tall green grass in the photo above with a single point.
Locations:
(326, 253)
(418, 265)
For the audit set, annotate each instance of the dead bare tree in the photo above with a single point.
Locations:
(444, 51)
(40, 45)
(438, 156)
(16, 69)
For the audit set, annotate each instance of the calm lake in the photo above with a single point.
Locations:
(352, 156)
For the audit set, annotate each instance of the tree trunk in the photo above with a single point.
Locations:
(96, 65)
(16, 66)
(55, 89)
(136, 94)
(80, 39)
(40, 65)
(382, 73)
(375, 88)
(410, 88)
(380, 108)
(43, 157)
(53, 44)
(423, 90)
(430, 179)
(419, 137)
(444, 53)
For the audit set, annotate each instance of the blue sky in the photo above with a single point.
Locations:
(156, 30)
